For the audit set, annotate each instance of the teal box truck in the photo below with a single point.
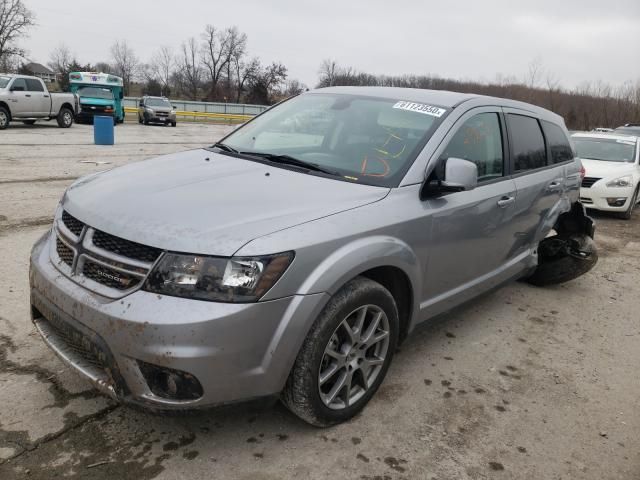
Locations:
(100, 94)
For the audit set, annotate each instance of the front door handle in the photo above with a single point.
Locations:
(46, 96)
(506, 201)
(27, 95)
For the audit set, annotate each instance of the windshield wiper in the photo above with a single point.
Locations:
(289, 160)
(225, 147)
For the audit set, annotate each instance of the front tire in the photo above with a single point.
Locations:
(65, 118)
(4, 118)
(345, 356)
(626, 215)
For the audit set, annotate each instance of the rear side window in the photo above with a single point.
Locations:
(559, 145)
(529, 151)
(479, 140)
(34, 85)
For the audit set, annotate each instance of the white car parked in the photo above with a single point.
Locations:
(612, 172)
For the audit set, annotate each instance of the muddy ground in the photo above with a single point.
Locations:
(532, 383)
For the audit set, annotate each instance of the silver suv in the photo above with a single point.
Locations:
(156, 110)
(291, 258)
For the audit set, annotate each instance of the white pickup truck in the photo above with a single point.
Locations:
(26, 99)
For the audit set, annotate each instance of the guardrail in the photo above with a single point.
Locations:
(207, 107)
(194, 116)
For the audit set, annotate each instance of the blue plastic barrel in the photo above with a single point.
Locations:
(103, 130)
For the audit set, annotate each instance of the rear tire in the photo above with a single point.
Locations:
(29, 122)
(65, 118)
(345, 356)
(5, 118)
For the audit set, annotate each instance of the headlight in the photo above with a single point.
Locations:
(150, 111)
(215, 279)
(625, 181)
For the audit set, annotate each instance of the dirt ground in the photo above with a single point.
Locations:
(526, 383)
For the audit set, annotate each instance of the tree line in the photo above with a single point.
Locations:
(590, 105)
(215, 66)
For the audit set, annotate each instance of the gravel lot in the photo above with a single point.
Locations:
(523, 383)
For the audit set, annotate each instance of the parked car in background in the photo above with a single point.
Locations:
(612, 171)
(27, 99)
(629, 129)
(291, 258)
(156, 110)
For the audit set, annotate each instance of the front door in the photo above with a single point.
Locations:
(472, 234)
(21, 102)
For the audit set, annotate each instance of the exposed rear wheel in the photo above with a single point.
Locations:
(65, 118)
(562, 260)
(345, 356)
(4, 118)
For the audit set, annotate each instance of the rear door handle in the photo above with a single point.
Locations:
(27, 95)
(554, 186)
(506, 201)
(46, 96)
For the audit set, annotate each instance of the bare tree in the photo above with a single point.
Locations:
(236, 47)
(244, 72)
(328, 72)
(190, 70)
(534, 72)
(162, 66)
(15, 21)
(60, 61)
(215, 56)
(125, 63)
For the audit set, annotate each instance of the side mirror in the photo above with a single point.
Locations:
(459, 175)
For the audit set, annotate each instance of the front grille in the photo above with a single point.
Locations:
(64, 252)
(108, 276)
(72, 223)
(587, 182)
(162, 114)
(126, 248)
(93, 109)
(79, 343)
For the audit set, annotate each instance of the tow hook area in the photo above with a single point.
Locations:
(568, 254)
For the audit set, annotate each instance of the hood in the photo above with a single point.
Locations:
(207, 203)
(601, 169)
(160, 109)
(96, 101)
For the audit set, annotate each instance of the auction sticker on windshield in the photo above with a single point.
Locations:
(420, 108)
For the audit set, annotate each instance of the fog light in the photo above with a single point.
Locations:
(169, 383)
(616, 202)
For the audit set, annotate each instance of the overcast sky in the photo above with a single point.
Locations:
(576, 40)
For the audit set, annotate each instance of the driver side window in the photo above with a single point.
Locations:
(479, 140)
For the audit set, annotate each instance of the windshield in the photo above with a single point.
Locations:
(157, 102)
(95, 92)
(364, 139)
(606, 149)
(4, 81)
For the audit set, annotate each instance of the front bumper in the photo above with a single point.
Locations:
(236, 351)
(155, 118)
(596, 197)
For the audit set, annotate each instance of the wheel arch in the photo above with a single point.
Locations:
(384, 259)
(66, 105)
(4, 104)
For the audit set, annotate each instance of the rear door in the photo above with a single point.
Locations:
(472, 231)
(40, 100)
(540, 183)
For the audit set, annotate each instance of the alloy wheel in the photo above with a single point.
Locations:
(3, 119)
(66, 118)
(354, 357)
